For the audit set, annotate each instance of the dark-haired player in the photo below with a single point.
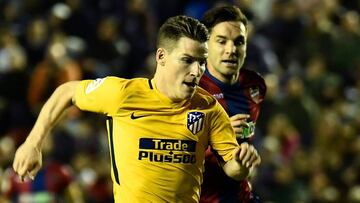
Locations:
(238, 90)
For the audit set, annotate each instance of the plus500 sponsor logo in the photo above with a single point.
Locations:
(167, 150)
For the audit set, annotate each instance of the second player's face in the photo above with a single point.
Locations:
(227, 49)
(185, 65)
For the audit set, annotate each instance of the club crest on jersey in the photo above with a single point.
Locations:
(94, 84)
(255, 93)
(195, 121)
(219, 95)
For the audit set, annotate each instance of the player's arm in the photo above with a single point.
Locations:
(28, 158)
(245, 158)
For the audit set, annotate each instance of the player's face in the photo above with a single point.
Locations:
(227, 49)
(185, 64)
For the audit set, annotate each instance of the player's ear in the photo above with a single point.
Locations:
(160, 56)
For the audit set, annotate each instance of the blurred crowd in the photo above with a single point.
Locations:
(308, 51)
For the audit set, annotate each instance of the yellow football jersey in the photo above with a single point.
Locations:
(157, 147)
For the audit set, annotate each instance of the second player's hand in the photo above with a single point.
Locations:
(238, 122)
(245, 159)
(246, 155)
(27, 161)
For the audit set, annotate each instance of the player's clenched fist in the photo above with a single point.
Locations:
(246, 155)
(245, 159)
(27, 161)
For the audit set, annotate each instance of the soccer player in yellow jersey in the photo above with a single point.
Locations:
(158, 129)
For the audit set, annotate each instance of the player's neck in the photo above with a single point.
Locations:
(232, 79)
(161, 85)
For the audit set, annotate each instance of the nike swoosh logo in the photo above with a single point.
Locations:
(133, 117)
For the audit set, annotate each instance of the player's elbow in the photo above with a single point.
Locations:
(67, 90)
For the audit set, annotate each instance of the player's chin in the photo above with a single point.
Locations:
(230, 69)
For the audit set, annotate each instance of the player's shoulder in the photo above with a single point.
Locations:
(203, 93)
(249, 77)
(117, 82)
(114, 79)
(113, 85)
(203, 97)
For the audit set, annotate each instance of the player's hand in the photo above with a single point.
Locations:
(247, 156)
(27, 161)
(238, 122)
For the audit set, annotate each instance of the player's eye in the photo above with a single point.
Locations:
(239, 41)
(187, 60)
(221, 41)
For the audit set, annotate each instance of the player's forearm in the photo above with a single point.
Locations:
(235, 170)
(59, 101)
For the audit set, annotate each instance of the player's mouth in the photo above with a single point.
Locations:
(191, 84)
(230, 62)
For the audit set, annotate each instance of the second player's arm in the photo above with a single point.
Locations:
(28, 158)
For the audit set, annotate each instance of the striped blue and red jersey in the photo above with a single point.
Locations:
(243, 97)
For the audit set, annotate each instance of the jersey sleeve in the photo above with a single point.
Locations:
(222, 136)
(103, 95)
